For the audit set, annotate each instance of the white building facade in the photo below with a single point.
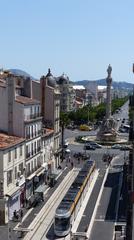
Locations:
(12, 176)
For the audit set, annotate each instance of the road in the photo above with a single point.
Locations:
(123, 114)
(107, 212)
(108, 203)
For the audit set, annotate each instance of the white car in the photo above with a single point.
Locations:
(68, 151)
(116, 146)
(65, 144)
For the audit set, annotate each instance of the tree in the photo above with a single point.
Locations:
(64, 121)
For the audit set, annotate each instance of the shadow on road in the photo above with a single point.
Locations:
(113, 183)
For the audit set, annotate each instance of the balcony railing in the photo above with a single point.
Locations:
(32, 116)
(27, 155)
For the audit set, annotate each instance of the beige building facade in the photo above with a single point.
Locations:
(12, 176)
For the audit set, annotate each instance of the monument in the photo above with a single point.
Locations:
(107, 130)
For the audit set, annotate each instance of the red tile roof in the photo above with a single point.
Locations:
(26, 100)
(7, 141)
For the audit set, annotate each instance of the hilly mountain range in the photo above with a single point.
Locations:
(101, 82)
(21, 73)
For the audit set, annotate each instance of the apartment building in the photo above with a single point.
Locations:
(50, 108)
(48, 152)
(67, 96)
(22, 117)
(12, 175)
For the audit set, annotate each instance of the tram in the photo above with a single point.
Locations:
(69, 207)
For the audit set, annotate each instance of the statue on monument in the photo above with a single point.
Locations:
(107, 131)
(109, 70)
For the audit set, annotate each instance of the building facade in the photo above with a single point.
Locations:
(67, 96)
(12, 175)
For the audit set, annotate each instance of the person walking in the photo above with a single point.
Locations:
(21, 214)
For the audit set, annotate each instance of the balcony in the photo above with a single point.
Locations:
(32, 117)
(27, 155)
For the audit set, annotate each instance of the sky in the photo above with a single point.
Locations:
(77, 37)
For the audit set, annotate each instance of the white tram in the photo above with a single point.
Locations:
(68, 208)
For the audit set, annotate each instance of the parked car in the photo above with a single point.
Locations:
(79, 139)
(67, 151)
(65, 144)
(96, 145)
(116, 146)
(125, 147)
(84, 127)
(89, 147)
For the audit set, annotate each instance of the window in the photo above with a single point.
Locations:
(32, 166)
(9, 177)
(21, 168)
(35, 147)
(35, 165)
(15, 153)
(32, 149)
(32, 131)
(15, 173)
(38, 111)
(9, 156)
(20, 150)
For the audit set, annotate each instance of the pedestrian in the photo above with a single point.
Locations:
(21, 213)
(72, 164)
(86, 228)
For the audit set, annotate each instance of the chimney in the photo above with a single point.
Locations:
(27, 91)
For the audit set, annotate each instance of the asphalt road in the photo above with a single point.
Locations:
(123, 114)
(106, 215)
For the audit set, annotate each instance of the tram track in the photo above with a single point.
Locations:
(39, 227)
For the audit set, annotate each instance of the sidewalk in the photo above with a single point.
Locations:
(30, 214)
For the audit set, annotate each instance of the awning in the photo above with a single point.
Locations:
(31, 176)
(36, 173)
(42, 171)
(12, 192)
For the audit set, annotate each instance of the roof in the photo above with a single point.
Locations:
(7, 141)
(47, 131)
(26, 100)
(78, 102)
(78, 87)
(103, 87)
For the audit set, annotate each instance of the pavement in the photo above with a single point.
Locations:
(87, 215)
(30, 214)
(106, 215)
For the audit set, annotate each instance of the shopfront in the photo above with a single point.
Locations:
(29, 188)
(14, 204)
(40, 178)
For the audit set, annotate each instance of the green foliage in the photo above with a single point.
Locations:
(96, 113)
(64, 119)
(117, 103)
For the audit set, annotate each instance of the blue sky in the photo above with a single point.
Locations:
(77, 37)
